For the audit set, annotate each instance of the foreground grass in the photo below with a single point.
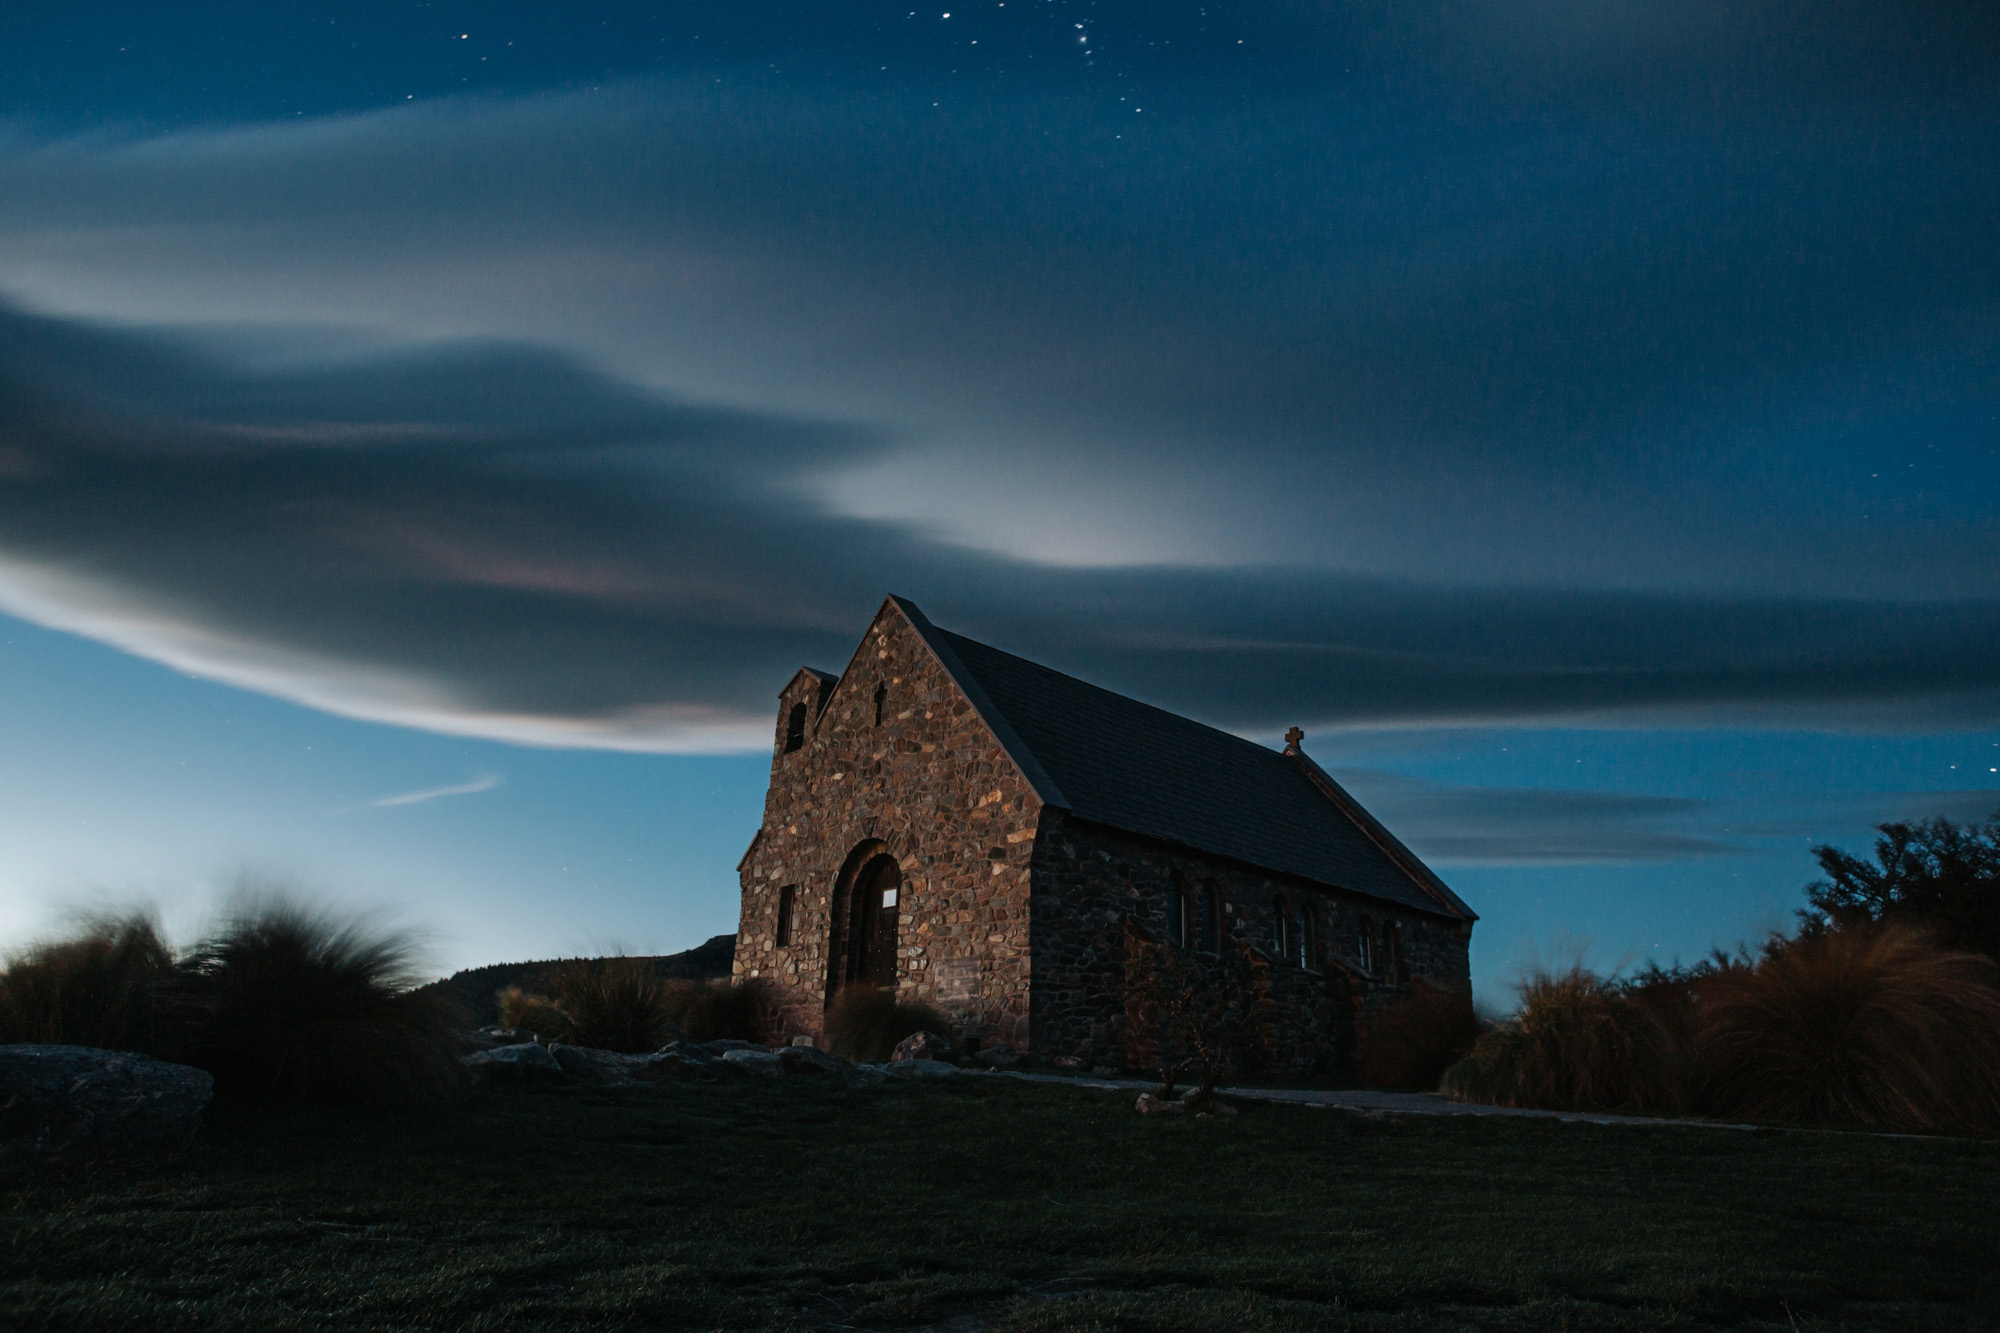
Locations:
(994, 1204)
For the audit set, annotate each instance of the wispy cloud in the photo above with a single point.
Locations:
(472, 788)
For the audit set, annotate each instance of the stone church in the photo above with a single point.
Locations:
(1000, 840)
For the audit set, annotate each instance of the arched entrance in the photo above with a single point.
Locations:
(862, 936)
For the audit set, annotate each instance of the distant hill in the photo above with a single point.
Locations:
(473, 989)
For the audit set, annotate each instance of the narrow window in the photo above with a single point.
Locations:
(795, 728)
(1281, 930)
(1214, 926)
(881, 698)
(1365, 945)
(1177, 912)
(1308, 935)
(788, 906)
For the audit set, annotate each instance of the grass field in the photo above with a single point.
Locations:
(988, 1203)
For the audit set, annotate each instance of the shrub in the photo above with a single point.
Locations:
(709, 1011)
(289, 1005)
(612, 1004)
(1417, 1038)
(865, 1023)
(102, 988)
(536, 1012)
(1579, 1043)
(1863, 1026)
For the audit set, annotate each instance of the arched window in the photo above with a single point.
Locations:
(1364, 945)
(1281, 929)
(1308, 934)
(795, 728)
(1211, 916)
(881, 698)
(788, 907)
(1179, 910)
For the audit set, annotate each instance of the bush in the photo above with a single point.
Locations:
(1417, 1038)
(1579, 1043)
(289, 1005)
(611, 1004)
(865, 1023)
(537, 1013)
(1877, 1027)
(102, 988)
(710, 1011)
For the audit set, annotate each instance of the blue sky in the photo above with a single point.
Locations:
(1583, 419)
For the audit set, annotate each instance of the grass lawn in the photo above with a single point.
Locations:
(989, 1203)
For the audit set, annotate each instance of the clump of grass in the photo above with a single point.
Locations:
(1418, 1037)
(538, 1013)
(1579, 1043)
(709, 1011)
(288, 1005)
(865, 1023)
(102, 987)
(612, 1004)
(1865, 1026)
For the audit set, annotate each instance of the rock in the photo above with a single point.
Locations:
(922, 1046)
(524, 1059)
(803, 1040)
(724, 1045)
(1000, 1057)
(920, 1068)
(615, 1069)
(1073, 1063)
(755, 1060)
(1148, 1104)
(57, 1099)
(500, 1036)
(865, 1076)
(808, 1060)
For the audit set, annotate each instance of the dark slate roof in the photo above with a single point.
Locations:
(1130, 766)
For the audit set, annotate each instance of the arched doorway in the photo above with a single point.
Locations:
(862, 947)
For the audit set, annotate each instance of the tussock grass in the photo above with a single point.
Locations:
(865, 1023)
(1414, 1040)
(1579, 1043)
(612, 1004)
(286, 1004)
(1867, 1026)
(710, 1010)
(101, 987)
(538, 1013)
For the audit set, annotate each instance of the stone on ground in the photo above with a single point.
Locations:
(923, 1046)
(60, 1099)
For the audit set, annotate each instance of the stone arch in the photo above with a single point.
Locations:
(862, 931)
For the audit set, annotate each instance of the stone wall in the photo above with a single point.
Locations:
(1098, 891)
(929, 782)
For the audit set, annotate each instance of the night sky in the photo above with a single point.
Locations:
(431, 434)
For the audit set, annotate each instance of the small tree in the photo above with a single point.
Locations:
(1197, 1011)
(1933, 875)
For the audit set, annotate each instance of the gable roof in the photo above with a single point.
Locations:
(1130, 766)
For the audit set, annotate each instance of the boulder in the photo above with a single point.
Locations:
(807, 1060)
(755, 1060)
(500, 1036)
(724, 1045)
(522, 1060)
(60, 1099)
(920, 1068)
(1148, 1104)
(1073, 1063)
(923, 1046)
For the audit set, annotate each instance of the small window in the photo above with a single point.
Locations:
(1177, 912)
(881, 699)
(788, 907)
(1281, 929)
(1308, 935)
(1364, 951)
(1212, 918)
(795, 728)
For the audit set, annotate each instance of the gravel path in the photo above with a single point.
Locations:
(1377, 1103)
